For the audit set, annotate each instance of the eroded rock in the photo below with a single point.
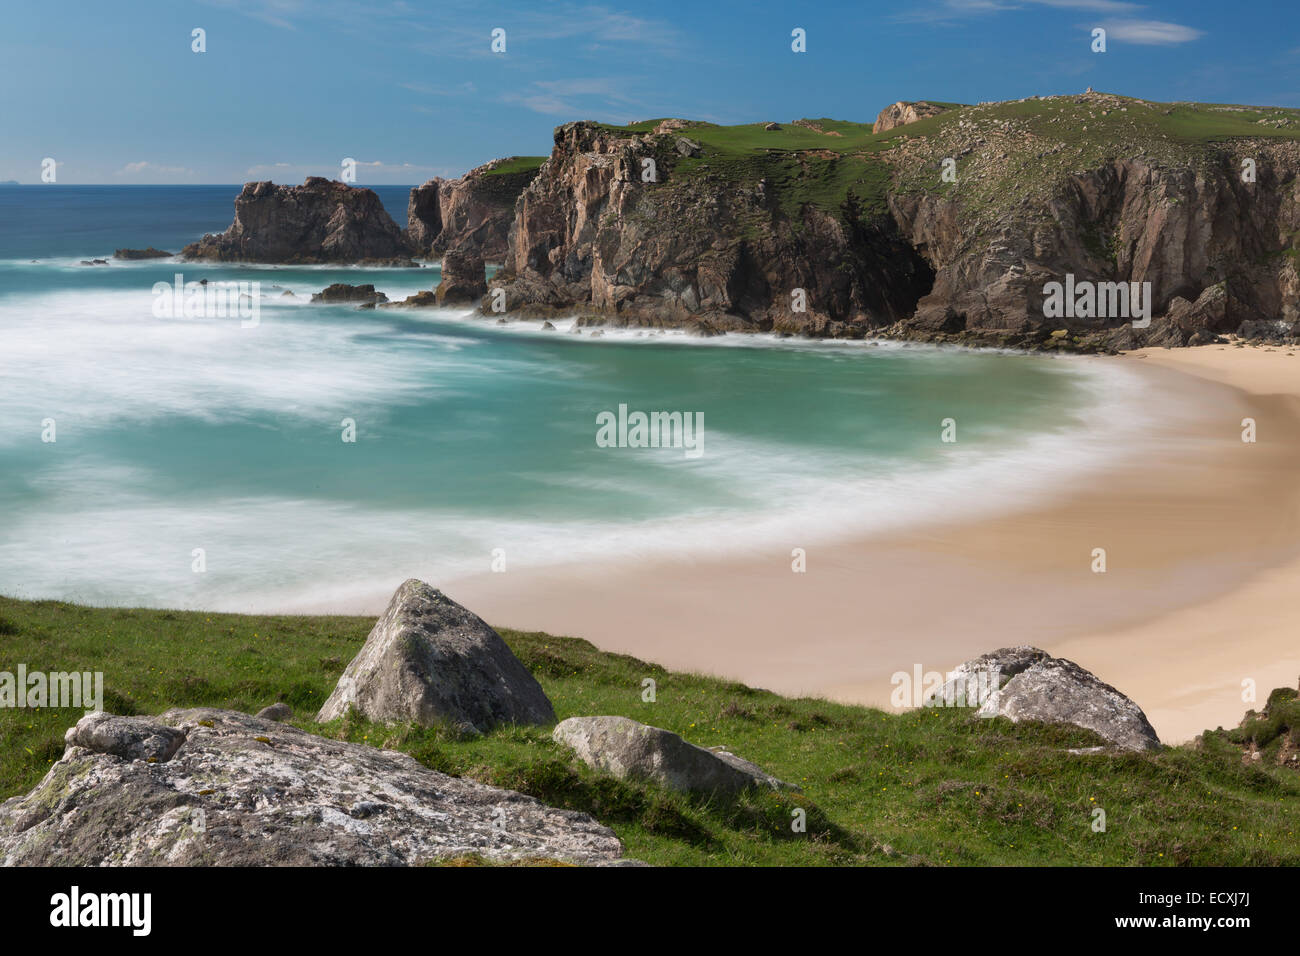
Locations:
(319, 221)
(471, 215)
(464, 279)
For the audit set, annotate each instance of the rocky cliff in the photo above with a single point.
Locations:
(950, 227)
(633, 226)
(319, 221)
(1103, 189)
(470, 215)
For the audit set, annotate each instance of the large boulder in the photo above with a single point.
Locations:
(242, 791)
(632, 750)
(429, 660)
(464, 279)
(319, 221)
(1027, 683)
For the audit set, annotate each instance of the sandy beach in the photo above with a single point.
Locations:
(1199, 530)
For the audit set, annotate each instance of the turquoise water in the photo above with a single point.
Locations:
(182, 434)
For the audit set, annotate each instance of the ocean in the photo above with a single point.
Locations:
(201, 462)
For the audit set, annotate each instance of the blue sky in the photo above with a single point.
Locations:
(288, 88)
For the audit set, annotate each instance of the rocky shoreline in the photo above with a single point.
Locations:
(658, 225)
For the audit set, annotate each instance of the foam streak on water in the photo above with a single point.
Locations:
(180, 434)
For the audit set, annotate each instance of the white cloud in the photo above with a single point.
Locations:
(144, 168)
(1091, 6)
(573, 97)
(1131, 30)
(369, 172)
(1150, 32)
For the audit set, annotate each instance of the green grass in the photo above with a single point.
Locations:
(801, 166)
(929, 787)
(518, 164)
(1030, 146)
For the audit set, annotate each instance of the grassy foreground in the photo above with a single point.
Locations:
(931, 786)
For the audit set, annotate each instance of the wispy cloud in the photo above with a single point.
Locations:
(590, 26)
(1091, 6)
(144, 168)
(1128, 30)
(574, 97)
(1150, 32)
(371, 172)
(277, 13)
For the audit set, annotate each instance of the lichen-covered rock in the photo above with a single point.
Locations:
(131, 738)
(319, 221)
(970, 684)
(429, 660)
(242, 791)
(1027, 683)
(632, 750)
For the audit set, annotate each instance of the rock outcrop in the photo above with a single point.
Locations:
(902, 113)
(971, 223)
(150, 253)
(342, 292)
(1027, 683)
(429, 660)
(317, 222)
(464, 279)
(471, 215)
(953, 234)
(632, 750)
(1093, 188)
(237, 790)
(614, 227)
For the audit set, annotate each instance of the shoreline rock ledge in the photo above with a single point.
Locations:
(208, 787)
(429, 660)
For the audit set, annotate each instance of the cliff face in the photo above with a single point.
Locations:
(1028, 209)
(471, 215)
(695, 245)
(319, 221)
(979, 210)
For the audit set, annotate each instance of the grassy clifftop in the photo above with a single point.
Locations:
(1014, 151)
(934, 786)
